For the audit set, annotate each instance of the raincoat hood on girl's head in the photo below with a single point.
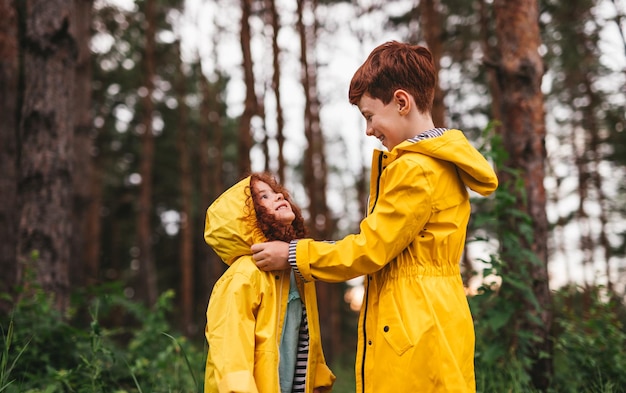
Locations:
(231, 226)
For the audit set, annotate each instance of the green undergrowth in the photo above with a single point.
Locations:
(119, 346)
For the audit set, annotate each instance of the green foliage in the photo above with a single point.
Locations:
(45, 352)
(588, 329)
(343, 368)
(503, 336)
(48, 352)
(590, 338)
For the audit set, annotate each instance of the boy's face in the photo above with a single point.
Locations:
(385, 122)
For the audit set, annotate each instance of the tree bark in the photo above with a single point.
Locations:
(147, 271)
(315, 170)
(250, 105)
(9, 104)
(83, 268)
(211, 181)
(430, 18)
(315, 176)
(46, 142)
(519, 74)
(489, 55)
(186, 222)
(280, 120)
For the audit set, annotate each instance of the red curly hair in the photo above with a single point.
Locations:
(272, 229)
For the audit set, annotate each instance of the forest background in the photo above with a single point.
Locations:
(122, 120)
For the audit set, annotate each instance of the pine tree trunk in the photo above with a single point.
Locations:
(519, 75)
(82, 269)
(280, 120)
(315, 177)
(186, 222)
(9, 101)
(315, 169)
(250, 105)
(211, 180)
(46, 142)
(147, 271)
(490, 53)
(430, 18)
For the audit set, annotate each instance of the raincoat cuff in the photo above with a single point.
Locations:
(304, 274)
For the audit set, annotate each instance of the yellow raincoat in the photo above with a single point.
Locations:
(247, 307)
(415, 332)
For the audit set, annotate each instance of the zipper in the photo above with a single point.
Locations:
(367, 288)
(279, 314)
(380, 171)
(367, 295)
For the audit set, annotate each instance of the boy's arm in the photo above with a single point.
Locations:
(403, 208)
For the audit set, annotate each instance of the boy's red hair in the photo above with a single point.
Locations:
(392, 66)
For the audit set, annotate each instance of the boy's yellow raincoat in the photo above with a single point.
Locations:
(416, 332)
(246, 310)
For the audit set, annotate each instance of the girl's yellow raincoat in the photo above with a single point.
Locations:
(415, 332)
(246, 310)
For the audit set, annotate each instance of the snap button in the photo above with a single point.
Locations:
(386, 328)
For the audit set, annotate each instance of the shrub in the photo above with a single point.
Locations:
(48, 352)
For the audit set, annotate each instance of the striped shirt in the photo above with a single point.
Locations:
(299, 380)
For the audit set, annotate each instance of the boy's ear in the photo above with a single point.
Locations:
(402, 100)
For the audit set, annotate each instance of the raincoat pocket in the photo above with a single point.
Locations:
(392, 325)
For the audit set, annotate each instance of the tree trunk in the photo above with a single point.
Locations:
(430, 18)
(315, 170)
(211, 180)
(46, 142)
(186, 222)
(519, 74)
(9, 103)
(83, 271)
(280, 120)
(250, 105)
(489, 53)
(147, 271)
(315, 176)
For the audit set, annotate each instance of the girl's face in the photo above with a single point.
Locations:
(274, 202)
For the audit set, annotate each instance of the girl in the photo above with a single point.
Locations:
(262, 327)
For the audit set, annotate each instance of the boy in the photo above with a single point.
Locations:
(415, 331)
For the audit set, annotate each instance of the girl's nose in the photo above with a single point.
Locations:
(279, 197)
(369, 131)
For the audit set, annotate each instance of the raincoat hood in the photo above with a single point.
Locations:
(231, 225)
(453, 146)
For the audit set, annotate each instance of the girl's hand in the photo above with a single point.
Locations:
(271, 256)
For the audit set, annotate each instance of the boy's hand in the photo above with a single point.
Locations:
(271, 255)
